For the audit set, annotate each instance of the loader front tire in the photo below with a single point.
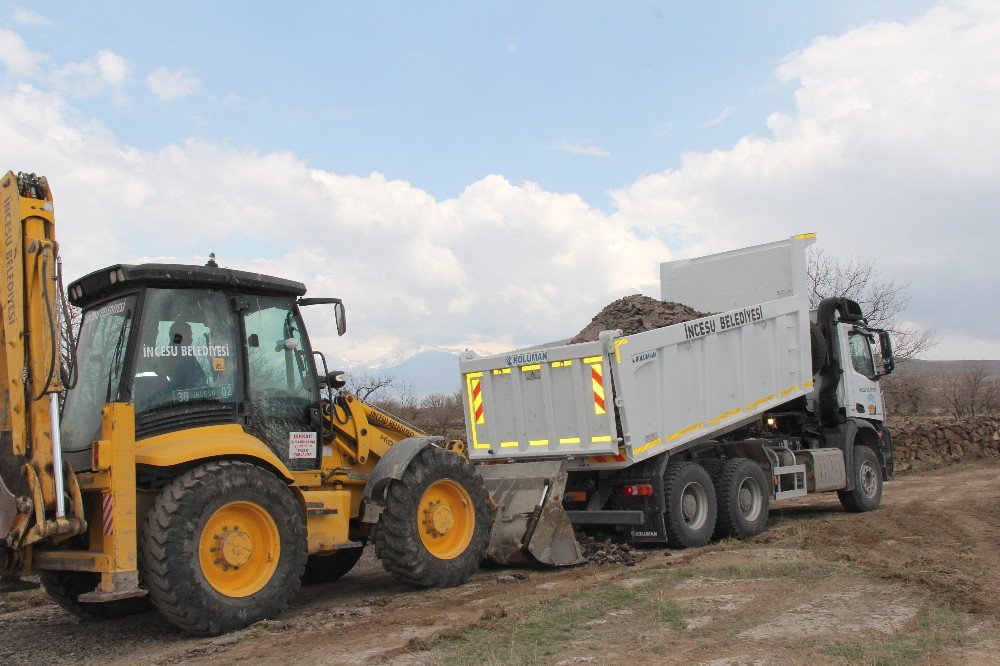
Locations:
(223, 546)
(328, 568)
(65, 588)
(690, 505)
(436, 523)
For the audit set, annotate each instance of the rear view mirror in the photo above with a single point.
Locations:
(341, 315)
(888, 362)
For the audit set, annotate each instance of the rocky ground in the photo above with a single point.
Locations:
(917, 581)
(634, 314)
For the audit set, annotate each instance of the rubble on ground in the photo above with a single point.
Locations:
(603, 550)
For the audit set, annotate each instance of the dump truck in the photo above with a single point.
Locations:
(194, 453)
(683, 433)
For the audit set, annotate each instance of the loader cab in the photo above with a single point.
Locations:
(194, 346)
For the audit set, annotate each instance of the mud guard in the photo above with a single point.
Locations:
(531, 526)
(390, 467)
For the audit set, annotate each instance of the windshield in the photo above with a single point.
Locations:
(101, 351)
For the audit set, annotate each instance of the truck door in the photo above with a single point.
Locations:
(282, 391)
(861, 395)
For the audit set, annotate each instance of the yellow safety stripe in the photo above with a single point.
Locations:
(601, 438)
(561, 364)
(788, 390)
(476, 444)
(508, 445)
(529, 368)
(538, 442)
(569, 440)
(804, 236)
(761, 401)
(502, 371)
(618, 353)
(646, 446)
(808, 384)
(725, 415)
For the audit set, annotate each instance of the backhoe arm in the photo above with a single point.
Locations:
(32, 483)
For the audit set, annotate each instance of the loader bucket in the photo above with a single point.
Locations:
(531, 526)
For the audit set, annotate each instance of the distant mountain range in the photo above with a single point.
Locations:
(427, 369)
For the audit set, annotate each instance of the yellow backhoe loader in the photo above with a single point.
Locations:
(206, 461)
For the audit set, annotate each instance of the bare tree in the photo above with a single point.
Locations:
(882, 300)
(909, 390)
(969, 392)
(370, 386)
(443, 414)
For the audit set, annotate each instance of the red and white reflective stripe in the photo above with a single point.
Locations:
(109, 507)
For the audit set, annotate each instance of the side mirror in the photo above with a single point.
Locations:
(336, 379)
(888, 362)
(341, 315)
(253, 340)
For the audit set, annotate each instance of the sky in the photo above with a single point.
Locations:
(491, 174)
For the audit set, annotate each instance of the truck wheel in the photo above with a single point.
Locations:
(743, 497)
(328, 568)
(223, 546)
(867, 493)
(65, 588)
(690, 498)
(436, 523)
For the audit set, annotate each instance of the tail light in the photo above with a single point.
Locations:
(575, 496)
(638, 490)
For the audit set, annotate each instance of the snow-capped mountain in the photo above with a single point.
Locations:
(428, 369)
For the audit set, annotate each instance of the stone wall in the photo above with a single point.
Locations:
(925, 439)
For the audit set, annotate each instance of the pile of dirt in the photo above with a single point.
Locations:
(635, 314)
(600, 550)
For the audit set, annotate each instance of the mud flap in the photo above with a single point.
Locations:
(531, 526)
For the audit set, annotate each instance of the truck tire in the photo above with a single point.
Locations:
(690, 505)
(436, 523)
(65, 588)
(328, 568)
(867, 492)
(742, 493)
(223, 546)
(817, 345)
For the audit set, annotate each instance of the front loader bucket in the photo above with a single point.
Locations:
(531, 526)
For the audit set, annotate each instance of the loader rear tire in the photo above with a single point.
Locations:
(691, 510)
(65, 588)
(436, 523)
(223, 546)
(867, 493)
(328, 568)
(743, 497)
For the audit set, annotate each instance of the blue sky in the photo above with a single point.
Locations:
(442, 94)
(492, 174)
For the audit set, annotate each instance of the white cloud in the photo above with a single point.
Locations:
(16, 57)
(28, 17)
(172, 84)
(664, 130)
(107, 71)
(718, 120)
(961, 345)
(578, 149)
(890, 152)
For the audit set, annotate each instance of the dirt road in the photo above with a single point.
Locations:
(916, 581)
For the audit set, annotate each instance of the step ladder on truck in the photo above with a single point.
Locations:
(681, 433)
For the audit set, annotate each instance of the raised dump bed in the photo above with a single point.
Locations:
(627, 398)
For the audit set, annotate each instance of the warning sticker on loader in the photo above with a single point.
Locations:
(301, 445)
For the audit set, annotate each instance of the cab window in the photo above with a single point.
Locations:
(861, 354)
(187, 350)
(279, 370)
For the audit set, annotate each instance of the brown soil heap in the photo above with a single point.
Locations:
(635, 314)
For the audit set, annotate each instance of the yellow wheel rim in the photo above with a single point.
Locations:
(446, 519)
(239, 549)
